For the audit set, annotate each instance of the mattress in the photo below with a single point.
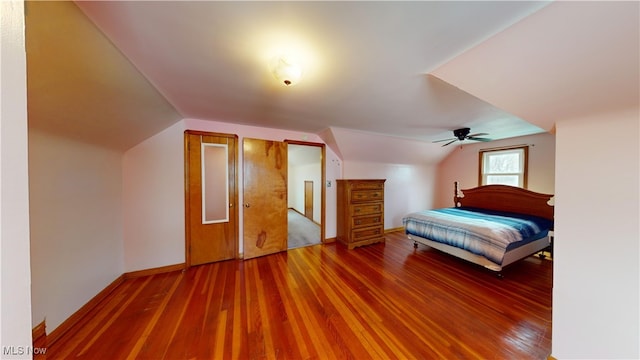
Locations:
(482, 232)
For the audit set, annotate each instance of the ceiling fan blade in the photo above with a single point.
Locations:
(449, 139)
(478, 138)
(478, 134)
(452, 141)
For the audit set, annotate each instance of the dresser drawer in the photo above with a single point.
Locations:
(365, 233)
(366, 209)
(366, 195)
(365, 221)
(366, 185)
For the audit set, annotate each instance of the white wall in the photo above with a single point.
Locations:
(153, 201)
(407, 188)
(15, 301)
(596, 271)
(76, 224)
(153, 181)
(462, 165)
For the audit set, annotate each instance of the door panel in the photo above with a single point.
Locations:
(265, 197)
(210, 204)
(308, 199)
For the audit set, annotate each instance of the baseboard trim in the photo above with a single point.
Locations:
(154, 271)
(39, 335)
(82, 312)
(394, 230)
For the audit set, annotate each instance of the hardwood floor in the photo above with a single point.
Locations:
(325, 302)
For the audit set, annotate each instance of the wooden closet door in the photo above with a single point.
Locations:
(211, 210)
(264, 197)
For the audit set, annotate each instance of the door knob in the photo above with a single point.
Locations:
(246, 205)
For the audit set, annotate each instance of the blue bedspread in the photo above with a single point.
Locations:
(482, 232)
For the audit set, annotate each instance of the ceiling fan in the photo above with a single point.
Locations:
(463, 134)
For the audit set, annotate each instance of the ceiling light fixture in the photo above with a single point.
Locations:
(287, 72)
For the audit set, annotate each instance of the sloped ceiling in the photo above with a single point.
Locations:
(366, 77)
(569, 60)
(81, 87)
(365, 71)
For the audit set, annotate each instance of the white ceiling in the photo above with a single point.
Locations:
(579, 58)
(367, 68)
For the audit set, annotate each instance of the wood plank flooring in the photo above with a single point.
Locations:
(381, 301)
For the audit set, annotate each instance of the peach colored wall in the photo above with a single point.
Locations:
(76, 224)
(596, 278)
(153, 181)
(462, 165)
(407, 187)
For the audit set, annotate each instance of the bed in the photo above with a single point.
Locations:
(492, 225)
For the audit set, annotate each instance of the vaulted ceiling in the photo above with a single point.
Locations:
(116, 72)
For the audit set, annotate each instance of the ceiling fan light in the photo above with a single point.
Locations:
(287, 73)
(462, 134)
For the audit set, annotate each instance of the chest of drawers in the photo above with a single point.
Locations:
(360, 212)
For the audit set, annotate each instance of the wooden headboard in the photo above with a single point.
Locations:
(505, 198)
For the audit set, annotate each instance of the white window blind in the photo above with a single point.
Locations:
(505, 167)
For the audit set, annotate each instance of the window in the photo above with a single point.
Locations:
(504, 166)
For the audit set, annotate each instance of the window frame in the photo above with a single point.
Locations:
(525, 171)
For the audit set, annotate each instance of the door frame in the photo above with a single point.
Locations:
(233, 196)
(323, 181)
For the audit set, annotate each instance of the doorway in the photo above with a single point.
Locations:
(306, 179)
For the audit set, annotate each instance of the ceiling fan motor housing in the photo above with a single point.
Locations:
(461, 133)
